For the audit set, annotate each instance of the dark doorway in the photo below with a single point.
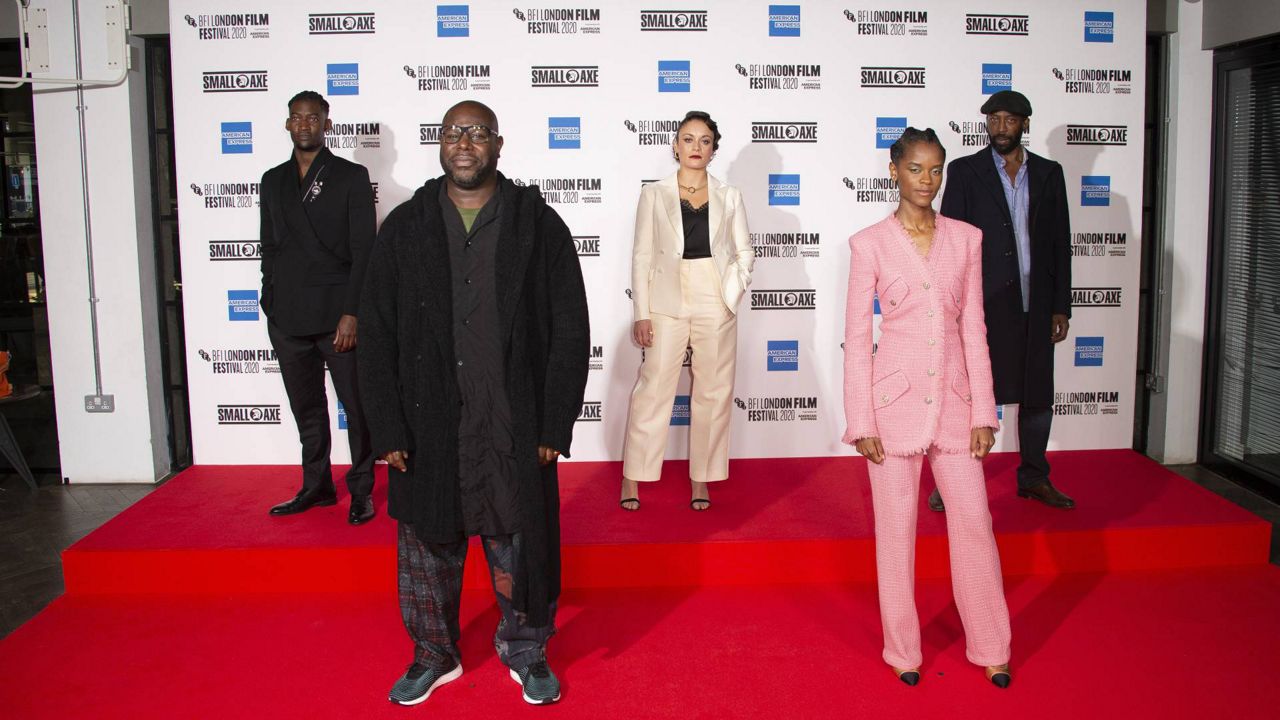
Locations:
(164, 203)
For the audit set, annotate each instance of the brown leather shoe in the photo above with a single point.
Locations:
(1049, 495)
(935, 501)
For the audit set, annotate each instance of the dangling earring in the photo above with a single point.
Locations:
(675, 156)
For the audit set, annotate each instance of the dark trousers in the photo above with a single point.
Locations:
(302, 362)
(1033, 439)
(430, 579)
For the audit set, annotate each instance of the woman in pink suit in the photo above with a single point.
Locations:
(925, 390)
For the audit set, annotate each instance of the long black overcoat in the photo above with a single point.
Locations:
(1021, 353)
(407, 368)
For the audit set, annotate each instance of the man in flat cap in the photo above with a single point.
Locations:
(1019, 200)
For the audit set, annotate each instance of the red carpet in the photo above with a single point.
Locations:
(776, 521)
(195, 603)
(1174, 644)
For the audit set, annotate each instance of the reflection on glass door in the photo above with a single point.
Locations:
(24, 323)
(1243, 399)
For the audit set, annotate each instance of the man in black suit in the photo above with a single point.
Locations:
(1019, 201)
(318, 226)
(474, 362)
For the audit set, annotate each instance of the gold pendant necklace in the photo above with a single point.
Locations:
(691, 189)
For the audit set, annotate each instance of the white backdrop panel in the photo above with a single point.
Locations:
(815, 96)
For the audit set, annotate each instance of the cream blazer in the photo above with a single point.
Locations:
(659, 246)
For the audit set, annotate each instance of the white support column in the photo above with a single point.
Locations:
(128, 445)
(1175, 413)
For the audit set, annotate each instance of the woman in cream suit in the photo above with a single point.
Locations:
(690, 264)
(925, 390)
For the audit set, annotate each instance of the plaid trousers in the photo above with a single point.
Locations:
(430, 580)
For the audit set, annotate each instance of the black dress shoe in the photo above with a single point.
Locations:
(361, 510)
(305, 500)
(1049, 495)
(935, 501)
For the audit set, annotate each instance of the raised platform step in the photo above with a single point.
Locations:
(782, 521)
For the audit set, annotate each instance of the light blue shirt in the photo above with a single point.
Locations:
(1018, 196)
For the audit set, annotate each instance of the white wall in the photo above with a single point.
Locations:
(1175, 413)
(1235, 21)
(128, 445)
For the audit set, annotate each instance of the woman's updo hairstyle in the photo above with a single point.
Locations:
(911, 136)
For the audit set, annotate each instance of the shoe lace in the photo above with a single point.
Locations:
(539, 670)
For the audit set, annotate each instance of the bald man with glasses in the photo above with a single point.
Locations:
(473, 360)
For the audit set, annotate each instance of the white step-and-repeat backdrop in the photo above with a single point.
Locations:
(808, 96)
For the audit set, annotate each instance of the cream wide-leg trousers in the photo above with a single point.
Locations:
(975, 561)
(706, 325)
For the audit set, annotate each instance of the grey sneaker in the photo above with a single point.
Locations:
(540, 684)
(417, 683)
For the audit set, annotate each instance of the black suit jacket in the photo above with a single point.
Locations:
(1021, 353)
(316, 237)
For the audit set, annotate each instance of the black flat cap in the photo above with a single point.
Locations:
(1010, 101)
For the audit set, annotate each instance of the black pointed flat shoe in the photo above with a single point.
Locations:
(910, 677)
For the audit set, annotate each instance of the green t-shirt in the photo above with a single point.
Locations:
(469, 216)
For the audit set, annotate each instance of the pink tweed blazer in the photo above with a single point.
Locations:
(928, 382)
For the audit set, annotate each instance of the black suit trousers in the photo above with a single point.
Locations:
(302, 362)
(1034, 423)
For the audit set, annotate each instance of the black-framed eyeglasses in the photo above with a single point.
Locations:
(479, 134)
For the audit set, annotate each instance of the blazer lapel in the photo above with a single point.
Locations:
(1037, 176)
(291, 197)
(985, 166)
(291, 205)
(671, 201)
(515, 247)
(715, 198)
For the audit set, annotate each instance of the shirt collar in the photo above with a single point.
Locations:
(1000, 161)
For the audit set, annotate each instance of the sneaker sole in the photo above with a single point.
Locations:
(515, 676)
(448, 677)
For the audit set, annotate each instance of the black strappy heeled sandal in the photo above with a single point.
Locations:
(623, 504)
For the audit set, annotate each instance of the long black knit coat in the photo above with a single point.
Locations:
(407, 369)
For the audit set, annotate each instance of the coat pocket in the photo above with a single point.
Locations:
(889, 388)
(961, 387)
(893, 296)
